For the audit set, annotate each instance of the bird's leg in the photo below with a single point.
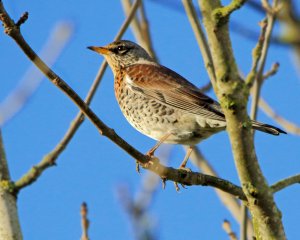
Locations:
(150, 153)
(186, 158)
(182, 166)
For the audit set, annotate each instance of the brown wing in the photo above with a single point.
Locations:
(170, 88)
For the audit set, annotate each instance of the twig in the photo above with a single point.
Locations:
(244, 222)
(85, 223)
(227, 228)
(256, 57)
(272, 71)
(49, 160)
(222, 14)
(201, 39)
(256, 75)
(135, 22)
(287, 125)
(140, 28)
(256, 54)
(259, 77)
(180, 176)
(276, 187)
(145, 31)
(22, 19)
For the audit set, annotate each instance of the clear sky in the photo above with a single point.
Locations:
(92, 168)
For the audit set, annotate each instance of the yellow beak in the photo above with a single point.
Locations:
(101, 50)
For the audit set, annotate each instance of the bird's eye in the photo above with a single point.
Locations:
(122, 50)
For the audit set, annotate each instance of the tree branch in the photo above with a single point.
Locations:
(201, 39)
(233, 95)
(276, 187)
(85, 223)
(221, 14)
(271, 17)
(9, 221)
(256, 54)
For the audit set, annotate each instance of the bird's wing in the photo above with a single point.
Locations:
(170, 88)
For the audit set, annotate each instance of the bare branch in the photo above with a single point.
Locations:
(22, 19)
(201, 39)
(227, 228)
(85, 223)
(276, 187)
(271, 17)
(256, 54)
(140, 28)
(272, 71)
(9, 221)
(222, 14)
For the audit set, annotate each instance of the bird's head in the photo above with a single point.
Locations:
(120, 54)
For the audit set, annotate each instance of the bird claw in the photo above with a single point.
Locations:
(185, 169)
(177, 188)
(137, 167)
(164, 180)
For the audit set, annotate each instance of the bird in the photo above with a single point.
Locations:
(160, 103)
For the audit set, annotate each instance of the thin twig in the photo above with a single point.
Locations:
(259, 77)
(145, 31)
(201, 39)
(244, 222)
(222, 14)
(140, 28)
(272, 71)
(85, 223)
(49, 160)
(276, 187)
(227, 228)
(256, 54)
(256, 75)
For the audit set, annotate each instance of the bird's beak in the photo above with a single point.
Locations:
(101, 50)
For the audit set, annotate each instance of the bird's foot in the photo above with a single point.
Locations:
(137, 166)
(164, 180)
(183, 168)
(177, 188)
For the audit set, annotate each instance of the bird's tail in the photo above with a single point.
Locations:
(266, 128)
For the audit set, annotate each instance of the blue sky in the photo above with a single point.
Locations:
(92, 168)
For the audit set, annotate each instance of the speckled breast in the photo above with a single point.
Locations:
(146, 115)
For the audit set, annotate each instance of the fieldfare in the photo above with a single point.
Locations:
(160, 103)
